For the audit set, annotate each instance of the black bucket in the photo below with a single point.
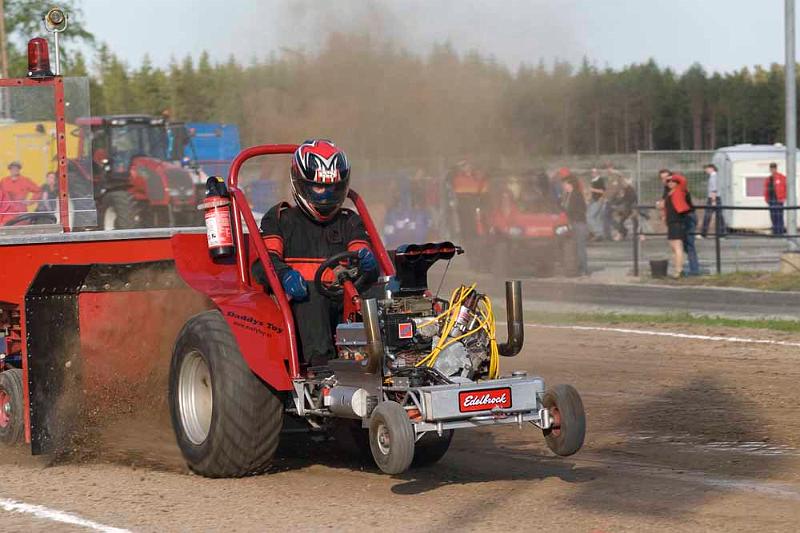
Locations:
(659, 267)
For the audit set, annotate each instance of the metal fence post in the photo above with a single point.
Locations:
(636, 243)
(717, 248)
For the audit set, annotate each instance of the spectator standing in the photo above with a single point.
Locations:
(574, 205)
(18, 189)
(467, 186)
(775, 196)
(48, 194)
(690, 222)
(676, 210)
(596, 213)
(712, 201)
(622, 206)
(687, 218)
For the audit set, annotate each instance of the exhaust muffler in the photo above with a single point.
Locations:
(369, 313)
(516, 327)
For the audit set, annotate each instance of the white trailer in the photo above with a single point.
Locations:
(742, 170)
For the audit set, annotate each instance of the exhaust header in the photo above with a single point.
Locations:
(516, 327)
(369, 313)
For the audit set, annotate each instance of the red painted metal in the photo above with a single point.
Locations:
(352, 301)
(374, 236)
(27, 82)
(255, 318)
(272, 277)
(61, 146)
(19, 264)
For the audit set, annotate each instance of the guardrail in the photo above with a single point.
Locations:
(718, 234)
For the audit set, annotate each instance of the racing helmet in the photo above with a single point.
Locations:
(320, 178)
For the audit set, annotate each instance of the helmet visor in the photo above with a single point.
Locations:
(325, 198)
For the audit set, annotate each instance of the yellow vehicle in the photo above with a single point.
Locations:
(33, 144)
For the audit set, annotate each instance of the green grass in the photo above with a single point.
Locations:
(765, 281)
(628, 319)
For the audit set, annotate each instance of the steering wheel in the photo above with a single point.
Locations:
(345, 266)
(32, 218)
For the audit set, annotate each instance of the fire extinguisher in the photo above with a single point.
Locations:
(218, 218)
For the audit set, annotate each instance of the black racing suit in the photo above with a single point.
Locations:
(296, 241)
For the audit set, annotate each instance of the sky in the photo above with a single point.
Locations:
(722, 35)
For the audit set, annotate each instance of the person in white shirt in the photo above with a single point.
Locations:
(712, 201)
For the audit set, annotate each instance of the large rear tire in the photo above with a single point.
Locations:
(566, 435)
(391, 438)
(226, 420)
(118, 210)
(431, 448)
(12, 425)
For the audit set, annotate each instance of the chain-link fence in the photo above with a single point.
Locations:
(689, 163)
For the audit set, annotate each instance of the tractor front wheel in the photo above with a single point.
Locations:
(118, 210)
(565, 435)
(391, 438)
(226, 420)
(12, 426)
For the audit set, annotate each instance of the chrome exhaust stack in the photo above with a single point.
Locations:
(516, 327)
(375, 351)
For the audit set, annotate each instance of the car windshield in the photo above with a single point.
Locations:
(132, 140)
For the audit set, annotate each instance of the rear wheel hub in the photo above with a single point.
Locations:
(6, 409)
(195, 397)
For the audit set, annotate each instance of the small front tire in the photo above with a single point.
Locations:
(567, 433)
(391, 438)
(12, 425)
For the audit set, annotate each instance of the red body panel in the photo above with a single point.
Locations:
(20, 263)
(255, 318)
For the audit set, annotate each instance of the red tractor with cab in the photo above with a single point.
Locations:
(136, 185)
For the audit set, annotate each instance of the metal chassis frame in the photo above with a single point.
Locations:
(541, 418)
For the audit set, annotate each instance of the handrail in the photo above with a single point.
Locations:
(727, 207)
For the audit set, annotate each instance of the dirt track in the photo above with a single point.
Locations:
(683, 435)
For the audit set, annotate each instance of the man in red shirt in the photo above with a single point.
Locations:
(775, 196)
(17, 189)
(5, 207)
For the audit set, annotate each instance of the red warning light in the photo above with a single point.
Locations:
(39, 58)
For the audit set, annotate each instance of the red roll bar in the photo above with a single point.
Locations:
(240, 209)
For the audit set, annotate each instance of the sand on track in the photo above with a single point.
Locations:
(683, 435)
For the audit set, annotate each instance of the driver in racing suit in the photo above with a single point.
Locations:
(300, 238)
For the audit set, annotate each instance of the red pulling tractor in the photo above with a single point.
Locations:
(89, 315)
